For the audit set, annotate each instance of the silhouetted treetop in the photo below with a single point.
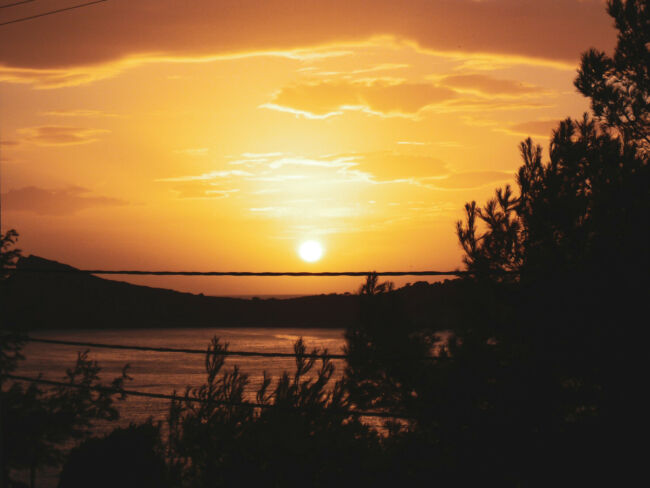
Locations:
(587, 207)
(619, 85)
(583, 208)
(373, 287)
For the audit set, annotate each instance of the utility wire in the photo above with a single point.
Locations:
(185, 351)
(218, 353)
(51, 12)
(16, 3)
(355, 413)
(242, 273)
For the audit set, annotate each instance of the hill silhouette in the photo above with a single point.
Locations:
(68, 300)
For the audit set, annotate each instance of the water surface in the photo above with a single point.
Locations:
(159, 372)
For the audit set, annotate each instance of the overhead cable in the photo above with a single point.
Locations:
(218, 353)
(326, 410)
(239, 273)
(51, 12)
(16, 3)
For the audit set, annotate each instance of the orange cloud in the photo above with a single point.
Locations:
(61, 202)
(539, 128)
(488, 85)
(312, 175)
(212, 175)
(469, 180)
(323, 99)
(548, 29)
(201, 190)
(481, 104)
(429, 143)
(385, 165)
(79, 113)
(79, 74)
(59, 77)
(390, 98)
(58, 135)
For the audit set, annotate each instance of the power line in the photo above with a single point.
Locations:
(355, 413)
(243, 273)
(219, 353)
(16, 3)
(52, 12)
(186, 351)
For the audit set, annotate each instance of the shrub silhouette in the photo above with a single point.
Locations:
(129, 457)
(301, 437)
(9, 254)
(38, 423)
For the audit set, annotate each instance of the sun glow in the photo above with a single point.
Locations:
(310, 251)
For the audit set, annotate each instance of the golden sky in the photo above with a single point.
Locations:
(219, 135)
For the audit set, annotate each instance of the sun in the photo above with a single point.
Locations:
(310, 251)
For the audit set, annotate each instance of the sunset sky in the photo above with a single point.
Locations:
(220, 135)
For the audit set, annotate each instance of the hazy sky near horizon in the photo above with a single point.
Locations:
(219, 135)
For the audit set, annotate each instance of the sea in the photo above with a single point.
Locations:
(168, 372)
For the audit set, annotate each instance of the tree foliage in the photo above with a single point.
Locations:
(583, 209)
(131, 457)
(39, 423)
(618, 86)
(529, 382)
(295, 433)
(586, 208)
(9, 254)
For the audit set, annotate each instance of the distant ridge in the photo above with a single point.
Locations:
(279, 296)
(71, 301)
(41, 301)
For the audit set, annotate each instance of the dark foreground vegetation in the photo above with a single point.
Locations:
(535, 385)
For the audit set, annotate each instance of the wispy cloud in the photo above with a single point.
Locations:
(360, 71)
(202, 190)
(552, 31)
(319, 100)
(487, 85)
(44, 78)
(262, 155)
(373, 168)
(337, 162)
(300, 211)
(78, 113)
(470, 104)
(467, 180)
(59, 202)
(207, 176)
(58, 135)
(537, 128)
(300, 113)
(430, 143)
(397, 98)
(278, 178)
